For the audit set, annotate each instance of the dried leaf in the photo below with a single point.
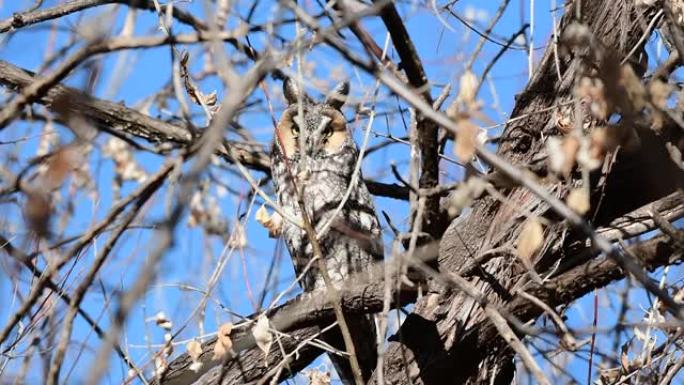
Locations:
(531, 238)
(562, 153)
(587, 157)
(262, 215)
(194, 349)
(466, 141)
(224, 335)
(162, 321)
(262, 335)
(224, 345)
(195, 94)
(578, 200)
(468, 88)
(273, 223)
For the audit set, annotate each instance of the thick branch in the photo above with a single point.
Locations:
(433, 222)
(23, 19)
(300, 316)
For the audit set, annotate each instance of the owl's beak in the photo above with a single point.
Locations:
(317, 143)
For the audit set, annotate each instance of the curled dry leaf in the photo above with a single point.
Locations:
(162, 321)
(531, 238)
(262, 335)
(224, 335)
(224, 345)
(466, 140)
(468, 88)
(273, 223)
(578, 200)
(197, 96)
(194, 349)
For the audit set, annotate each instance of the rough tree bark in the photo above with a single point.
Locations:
(446, 340)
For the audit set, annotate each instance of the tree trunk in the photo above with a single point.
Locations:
(443, 340)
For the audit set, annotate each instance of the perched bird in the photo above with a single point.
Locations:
(314, 157)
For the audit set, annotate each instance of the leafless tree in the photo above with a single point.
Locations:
(577, 191)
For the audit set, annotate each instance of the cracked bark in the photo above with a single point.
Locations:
(448, 339)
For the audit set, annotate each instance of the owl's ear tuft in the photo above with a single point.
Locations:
(338, 96)
(293, 93)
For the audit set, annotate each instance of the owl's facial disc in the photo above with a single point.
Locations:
(332, 132)
(320, 132)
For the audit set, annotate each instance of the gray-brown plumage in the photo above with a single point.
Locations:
(314, 154)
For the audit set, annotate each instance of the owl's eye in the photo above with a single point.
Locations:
(327, 134)
(295, 129)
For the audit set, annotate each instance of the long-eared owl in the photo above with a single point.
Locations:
(314, 155)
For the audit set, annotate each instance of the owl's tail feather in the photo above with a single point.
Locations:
(363, 333)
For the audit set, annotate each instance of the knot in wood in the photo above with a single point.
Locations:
(18, 20)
